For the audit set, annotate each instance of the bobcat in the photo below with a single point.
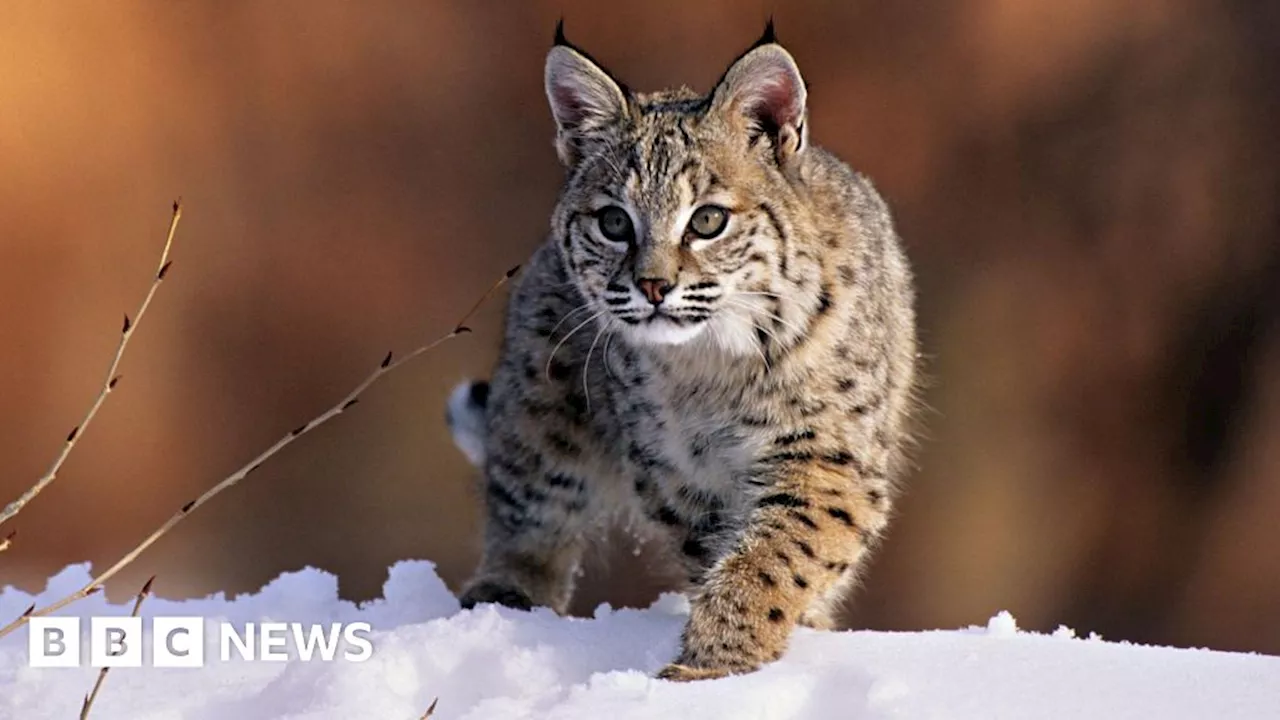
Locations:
(717, 339)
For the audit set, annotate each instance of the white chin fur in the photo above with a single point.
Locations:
(664, 332)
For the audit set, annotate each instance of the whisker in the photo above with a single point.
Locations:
(605, 352)
(715, 334)
(587, 363)
(799, 330)
(758, 326)
(613, 165)
(557, 286)
(760, 350)
(571, 313)
(757, 292)
(768, 332)
(715, 331)
(767, 314)
(572, 332)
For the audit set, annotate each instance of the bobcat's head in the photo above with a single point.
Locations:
(679, 209)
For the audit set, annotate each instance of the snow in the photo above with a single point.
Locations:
(1002, 624)
(498, 664)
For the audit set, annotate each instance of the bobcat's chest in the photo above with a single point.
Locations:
(694, 436)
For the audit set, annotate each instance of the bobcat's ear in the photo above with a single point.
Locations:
(765, 87)
(585, 99)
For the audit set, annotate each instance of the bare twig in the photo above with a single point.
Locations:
(386, 366)
(143, 594)
(8, 540)
(430, 711)
(108, 384)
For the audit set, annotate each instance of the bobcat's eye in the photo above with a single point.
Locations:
(708, 221)
(615, 224)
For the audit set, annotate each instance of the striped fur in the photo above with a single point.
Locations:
(755, 417)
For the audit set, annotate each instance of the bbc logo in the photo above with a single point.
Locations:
(116, 642)
(179, 642)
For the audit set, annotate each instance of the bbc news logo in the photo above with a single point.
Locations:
(178, 642)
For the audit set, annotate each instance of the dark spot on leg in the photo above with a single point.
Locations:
(782, 499)
(563, 445)
(499, 492)
(561, 480)
(795, 437)
(577, 404)
(804, 519)
(844, 457)
(805, 548)
(667, 516)
(694, 549)
(775, 615)
(559, 370)
(789, 456)
(824, 301)
(800, 582)
(767, 579)
(841, 514)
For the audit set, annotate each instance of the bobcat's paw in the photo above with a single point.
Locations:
(817, 621)
(491, 591)
(676, 672)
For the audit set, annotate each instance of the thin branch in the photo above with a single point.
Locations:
(387, 365)
(143, 594)
(108, 384)
(8, 540)
(430, 711)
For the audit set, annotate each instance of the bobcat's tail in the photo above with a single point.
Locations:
(465, 413)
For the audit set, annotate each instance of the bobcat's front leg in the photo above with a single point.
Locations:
(805, 537)
(535, 529)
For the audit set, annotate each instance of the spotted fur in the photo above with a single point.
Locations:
(754, 417)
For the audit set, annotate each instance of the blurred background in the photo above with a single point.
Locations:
(1088, 192)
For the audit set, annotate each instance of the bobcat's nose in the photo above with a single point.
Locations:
(654, 288)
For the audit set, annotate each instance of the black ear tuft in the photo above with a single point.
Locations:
(764, 86)
(769, 37)
(562, 41)
(586, 101)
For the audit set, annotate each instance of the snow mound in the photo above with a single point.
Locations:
(498, 664)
